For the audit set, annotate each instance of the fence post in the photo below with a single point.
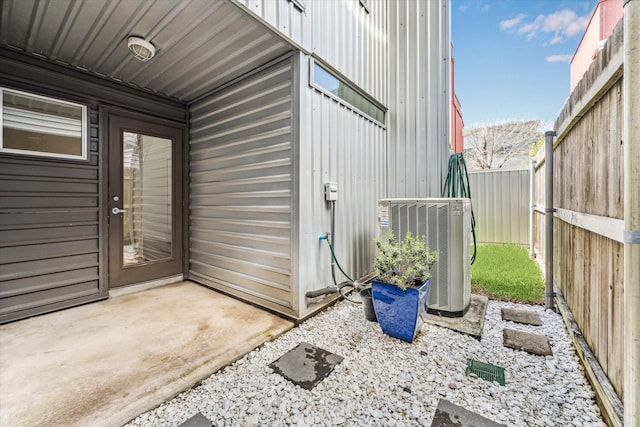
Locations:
(548, 216)
(631, 140)
(532, 206)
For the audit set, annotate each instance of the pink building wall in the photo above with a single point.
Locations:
(603, 20)
(457, 141)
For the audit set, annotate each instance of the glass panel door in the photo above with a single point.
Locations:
(147, 217)
(145, 195)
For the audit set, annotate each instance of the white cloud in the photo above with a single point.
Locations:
(464, 7)
(554, 40)
(510, 23)
(486, 7)
(562, 24)
(559, 58)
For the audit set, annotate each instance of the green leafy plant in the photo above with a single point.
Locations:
(536, 146)
(405, 264)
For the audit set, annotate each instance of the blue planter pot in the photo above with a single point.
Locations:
(400, 312)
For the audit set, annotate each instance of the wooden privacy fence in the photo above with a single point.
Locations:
(588, 198)
(501, 205)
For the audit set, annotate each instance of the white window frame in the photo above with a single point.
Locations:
(84, 128)
(360, 92)
(299, 4)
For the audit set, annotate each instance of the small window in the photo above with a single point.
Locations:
(337, 88)
(299, 4)
(40, 126)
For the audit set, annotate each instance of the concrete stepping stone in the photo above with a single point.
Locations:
(450, 415)
(306, 365)
(471, 323)
(198, 420)
(527, 317)
(531, 343)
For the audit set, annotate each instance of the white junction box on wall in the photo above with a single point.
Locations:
(446, 225)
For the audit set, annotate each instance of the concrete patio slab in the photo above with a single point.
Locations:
(450, 415)
(104, 363)
(471, 323)
(526, 317)
(531, 343)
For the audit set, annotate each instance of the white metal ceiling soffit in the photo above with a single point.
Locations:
(200, 44)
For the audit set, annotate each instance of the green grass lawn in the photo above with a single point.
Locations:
(506, 272)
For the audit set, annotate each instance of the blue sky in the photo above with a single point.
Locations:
(512, 56)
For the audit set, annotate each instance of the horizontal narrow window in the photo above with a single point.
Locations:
(329, 83)
(42, 126)
(299, 4)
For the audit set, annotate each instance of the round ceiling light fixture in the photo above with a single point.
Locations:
(140, 48)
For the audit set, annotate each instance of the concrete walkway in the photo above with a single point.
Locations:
(102, 364)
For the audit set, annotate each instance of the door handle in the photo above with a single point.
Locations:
(117, 211)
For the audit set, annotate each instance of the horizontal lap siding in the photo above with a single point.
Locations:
(49, 232)
(240, 210)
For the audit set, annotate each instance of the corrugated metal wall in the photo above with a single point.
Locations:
(501, 204)
(241, 189)
(283, 15)
(49, 232)
(419, 97)
(337, 145)
(342, 33)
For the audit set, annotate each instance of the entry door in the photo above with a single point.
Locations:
(145, 200)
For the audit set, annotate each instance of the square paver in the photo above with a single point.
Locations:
(306, 365)
(527, 317)
(198, 420)
(450, 415)
(531, 343)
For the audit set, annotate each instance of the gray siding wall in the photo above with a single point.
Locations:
(336, 145)
(501, 204)
(52, 232)
(49, 231)
(241, 189)
(419, 97)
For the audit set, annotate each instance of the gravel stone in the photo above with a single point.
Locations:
(385, 381)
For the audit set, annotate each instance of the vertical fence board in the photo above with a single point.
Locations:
(588, 179)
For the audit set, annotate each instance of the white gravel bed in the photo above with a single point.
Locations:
(385, 381)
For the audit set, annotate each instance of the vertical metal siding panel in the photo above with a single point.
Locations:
(241, 184)
(353, 42)
(49, 231)
(418, 97)
(284, 16)
(501, 205)
(339, 146)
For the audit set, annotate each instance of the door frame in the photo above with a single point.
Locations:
(180, 173)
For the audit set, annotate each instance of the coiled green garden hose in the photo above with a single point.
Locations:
(457, 185)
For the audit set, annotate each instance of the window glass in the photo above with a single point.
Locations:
(328, 82)
(37, 125)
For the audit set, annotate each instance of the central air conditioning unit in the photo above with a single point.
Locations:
(446, 225)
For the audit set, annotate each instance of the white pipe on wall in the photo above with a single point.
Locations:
(631, 140)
